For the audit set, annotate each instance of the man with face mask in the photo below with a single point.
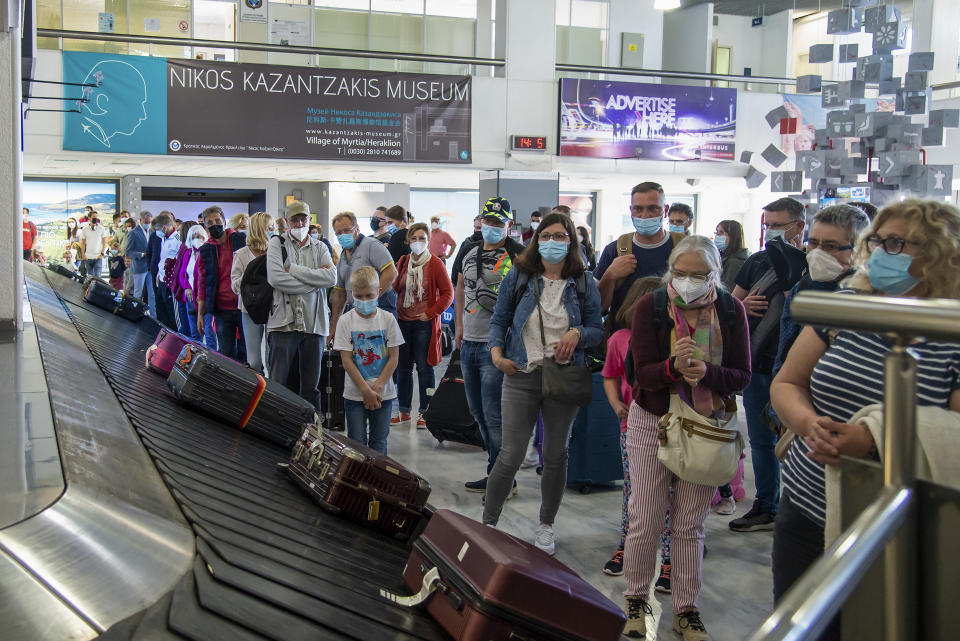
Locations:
(762, 288)
(534, 223)
(300, 269)
(680, 218)
(92, 235)
(485, 264)
(166, 231)
(214, 292)
(382, 228)
(135, 252)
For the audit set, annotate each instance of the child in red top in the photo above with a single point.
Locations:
(617, 387)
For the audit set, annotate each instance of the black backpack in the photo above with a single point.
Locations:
(728, 318)
(255, 290)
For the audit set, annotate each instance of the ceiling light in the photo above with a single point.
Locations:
(666, 5)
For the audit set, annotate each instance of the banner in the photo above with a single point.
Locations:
(604, 119)
(207, 108)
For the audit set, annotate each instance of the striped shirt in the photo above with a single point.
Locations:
(847, 378)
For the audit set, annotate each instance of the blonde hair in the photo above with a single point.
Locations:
(363, 277)
(257, 231)
(932, 225)
(236, 220)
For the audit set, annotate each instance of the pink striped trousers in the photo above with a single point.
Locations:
(649, 499)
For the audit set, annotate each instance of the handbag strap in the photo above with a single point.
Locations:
(536, 288)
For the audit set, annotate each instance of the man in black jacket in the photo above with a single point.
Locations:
(154, 243)
(215, 294)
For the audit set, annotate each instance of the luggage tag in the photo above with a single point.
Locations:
(431, 582)
(373, 510)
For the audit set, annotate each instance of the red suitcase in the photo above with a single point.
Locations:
(494, 587)
(361, 484)
(165, 349)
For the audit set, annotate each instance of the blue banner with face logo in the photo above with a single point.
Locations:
(125, 109)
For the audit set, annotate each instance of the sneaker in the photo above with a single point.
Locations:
(690, 627)
(614, 566)
(637, 611)
(545, 539)
(400, 417)
(726, 506)
(663, 583)
(753, 521)
(421, 422)
(476, 486)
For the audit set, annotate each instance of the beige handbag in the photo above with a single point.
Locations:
(699, 449)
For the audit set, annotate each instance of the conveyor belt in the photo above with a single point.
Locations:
(270, 563)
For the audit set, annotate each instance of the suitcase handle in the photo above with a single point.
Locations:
(150, 351)
(431, 584)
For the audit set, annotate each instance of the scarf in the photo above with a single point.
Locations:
(709, 344)
(415, 267)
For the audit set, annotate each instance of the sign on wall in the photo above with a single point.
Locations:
(638, 120)
(201, 107)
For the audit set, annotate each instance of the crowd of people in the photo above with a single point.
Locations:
(681, 324)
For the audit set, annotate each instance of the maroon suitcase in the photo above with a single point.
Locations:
(494, 587)
(363, 485)
(165, 349)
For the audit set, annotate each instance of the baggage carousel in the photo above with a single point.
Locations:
(171, 525)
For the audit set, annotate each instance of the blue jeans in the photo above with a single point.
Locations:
(151, 287)
(416, 345)
(188, 318)
(209, 336)
(94, 266)
(282, 347)
(483, 383)
(766, 466)
(228, 324)
(139, 280)
(370, 427)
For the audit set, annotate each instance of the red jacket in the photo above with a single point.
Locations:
(29, 234)
(439, 291)
(650, 349)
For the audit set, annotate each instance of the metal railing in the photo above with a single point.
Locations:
(806, 610)
(684, 75)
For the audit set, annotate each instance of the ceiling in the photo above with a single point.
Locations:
(765, 7)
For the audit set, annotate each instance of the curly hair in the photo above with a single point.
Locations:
(934, 226)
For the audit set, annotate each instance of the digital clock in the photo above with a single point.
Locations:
(528, 143)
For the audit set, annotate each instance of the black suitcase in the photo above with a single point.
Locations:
(332, 376)
(106, 297)
(68, 273)
(448, 416)
(238, 396)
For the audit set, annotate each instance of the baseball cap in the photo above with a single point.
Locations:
(298, 208)
(497, 207)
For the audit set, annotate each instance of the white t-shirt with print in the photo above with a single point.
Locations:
(369, 339)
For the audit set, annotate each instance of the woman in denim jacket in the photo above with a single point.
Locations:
(548, 283)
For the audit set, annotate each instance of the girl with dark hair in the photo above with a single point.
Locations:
(73, 230)
(586, 248)
(729, 240)
(548, 307)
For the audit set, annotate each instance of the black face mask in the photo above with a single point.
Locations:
(216, 231)
(375, 224)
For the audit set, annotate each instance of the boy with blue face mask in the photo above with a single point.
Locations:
(485, 264)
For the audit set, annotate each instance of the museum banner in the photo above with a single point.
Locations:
(603, 119)
(140, 104)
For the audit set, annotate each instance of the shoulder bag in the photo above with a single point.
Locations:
(563, 383)
(699, 449)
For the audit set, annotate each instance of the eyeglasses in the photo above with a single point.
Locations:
(636, 210)
(778, 226)
(829, 246)
(560, 237)
(893, 245)
(696, 278)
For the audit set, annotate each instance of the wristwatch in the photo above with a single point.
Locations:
(577, 330)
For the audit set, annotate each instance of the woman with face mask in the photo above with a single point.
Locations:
(729, 240)
(260, 228)
(548, 308)
(73, 231)
(424, 292)
(911, 250)
(700, 352)
(188, 280)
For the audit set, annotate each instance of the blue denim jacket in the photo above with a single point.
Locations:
(508, 320)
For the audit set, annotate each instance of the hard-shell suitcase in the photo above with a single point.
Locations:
(594, 456)
(69, 273)
(448, 416)
(363, 485)
(491, 586)
(332, 377)
(106, 297)
(165, 350)
(238, 396)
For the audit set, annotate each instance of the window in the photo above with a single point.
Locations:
(582, 31)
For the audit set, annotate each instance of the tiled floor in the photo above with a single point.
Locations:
(737, 585)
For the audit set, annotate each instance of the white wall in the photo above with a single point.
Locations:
(935, 29)
(688, 40)
(636, 16)
(776, 46)
(745, 42)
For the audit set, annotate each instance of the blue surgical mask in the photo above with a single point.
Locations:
(347, 241)
(553, 251)
(677, 229)
(720, 242)
(647, 226)
(491, 234)
(160, 234)
(315, 236)
(271, 234)
(365, 307)
(890, 273)
(391, 228)
(773, 234)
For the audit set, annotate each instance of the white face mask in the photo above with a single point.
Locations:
(196, 241)
(689, 290)
(534, 224)
(299, 232)
(434, 225)
(418, 247)
(823, 267)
